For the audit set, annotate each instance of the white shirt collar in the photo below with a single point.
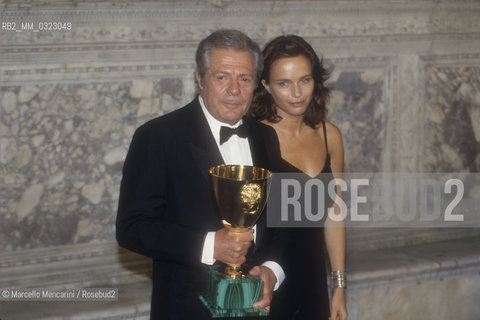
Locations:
(213, 123)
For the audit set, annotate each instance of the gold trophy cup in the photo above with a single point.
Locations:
(241, 194)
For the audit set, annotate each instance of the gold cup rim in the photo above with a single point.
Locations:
(268, 173)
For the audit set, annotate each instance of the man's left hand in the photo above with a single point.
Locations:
(269, 280)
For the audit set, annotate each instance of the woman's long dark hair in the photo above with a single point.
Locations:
(263, 106)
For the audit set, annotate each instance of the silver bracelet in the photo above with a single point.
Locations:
(338, 279)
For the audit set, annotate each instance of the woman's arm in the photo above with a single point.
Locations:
(335, 234)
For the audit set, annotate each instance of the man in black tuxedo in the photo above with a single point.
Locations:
(167, 209)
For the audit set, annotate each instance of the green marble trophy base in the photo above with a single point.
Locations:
(225, 296)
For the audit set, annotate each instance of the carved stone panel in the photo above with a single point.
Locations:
(452, 118)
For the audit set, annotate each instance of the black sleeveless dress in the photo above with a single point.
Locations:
(304, 294)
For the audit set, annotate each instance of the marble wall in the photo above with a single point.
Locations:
(63, 147)
(405, 95)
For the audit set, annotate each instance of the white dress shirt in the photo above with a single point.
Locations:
(235, 150)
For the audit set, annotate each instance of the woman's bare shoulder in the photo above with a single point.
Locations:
(332, 131)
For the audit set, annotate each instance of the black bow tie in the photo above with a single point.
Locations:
(226, 132)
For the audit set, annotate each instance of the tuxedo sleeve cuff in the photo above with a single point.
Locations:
(277, 270)
(208, 249)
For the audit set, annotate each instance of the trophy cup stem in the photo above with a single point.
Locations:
(229, 227)
(234, 270)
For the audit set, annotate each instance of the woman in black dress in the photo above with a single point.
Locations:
(292, 99)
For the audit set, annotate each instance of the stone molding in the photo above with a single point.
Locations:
(472, 59)
(190, 21)
(92, 264)
(414, 264)
(106, 71)
(140, 38)
(72, 266)
(91, 73)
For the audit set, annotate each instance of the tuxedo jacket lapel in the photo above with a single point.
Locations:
(204, 149)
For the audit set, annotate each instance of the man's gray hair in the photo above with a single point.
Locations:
(227, 39)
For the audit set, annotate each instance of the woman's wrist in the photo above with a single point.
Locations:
(339, 291)
(338, 279)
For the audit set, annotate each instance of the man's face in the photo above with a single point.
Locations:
(227, 86)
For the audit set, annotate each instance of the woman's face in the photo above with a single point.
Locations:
(291, 85)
